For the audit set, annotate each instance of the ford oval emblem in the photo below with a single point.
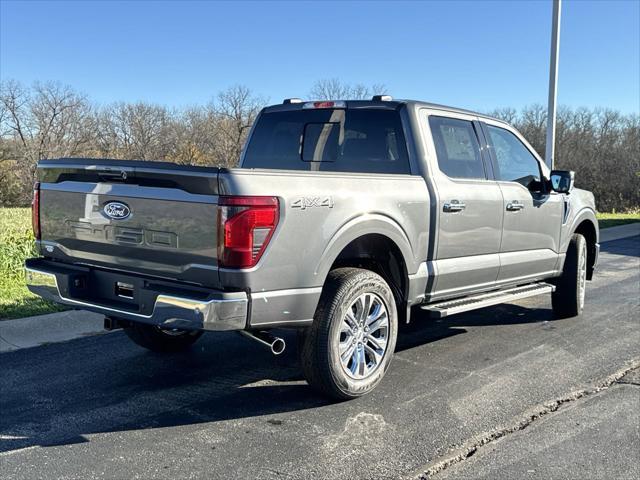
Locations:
(117, 210)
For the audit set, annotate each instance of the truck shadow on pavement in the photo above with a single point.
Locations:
(423, 330)
(57, 394)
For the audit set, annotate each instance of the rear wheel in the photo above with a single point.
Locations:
(347, 350)
(568, 299)
(162, 340)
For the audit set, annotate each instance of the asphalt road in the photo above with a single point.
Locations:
(496, 392)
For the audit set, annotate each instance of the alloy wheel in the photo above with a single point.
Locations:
(363, 336)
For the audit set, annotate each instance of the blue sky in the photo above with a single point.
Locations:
(480, 55)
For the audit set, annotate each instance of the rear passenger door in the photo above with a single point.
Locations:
(532, 214)
(469, 207)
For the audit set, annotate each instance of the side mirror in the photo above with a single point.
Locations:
(562, 180)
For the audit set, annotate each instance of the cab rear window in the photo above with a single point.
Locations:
(349, 140)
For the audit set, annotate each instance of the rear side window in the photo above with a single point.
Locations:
(457, 148)
(351, 140)
(515, 163)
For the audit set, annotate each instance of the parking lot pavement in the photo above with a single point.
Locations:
(495, 381)
(597, 436)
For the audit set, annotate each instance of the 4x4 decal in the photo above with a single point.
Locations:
(310, 202)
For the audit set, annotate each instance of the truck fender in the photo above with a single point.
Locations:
(585, 213)
(358, 227)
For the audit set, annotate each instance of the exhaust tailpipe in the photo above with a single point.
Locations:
(273, 343)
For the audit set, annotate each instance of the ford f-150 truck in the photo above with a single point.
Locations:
(342, 217)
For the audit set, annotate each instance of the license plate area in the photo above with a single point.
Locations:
(111, 289)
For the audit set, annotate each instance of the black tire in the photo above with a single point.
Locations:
(344, 290)
(163, 341)
(568, 299)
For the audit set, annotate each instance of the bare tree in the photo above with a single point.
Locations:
(509, 115)
(236, 109)
(10, 187)
(49, 121)
(334, 89)
(135, 131)
(194, 136)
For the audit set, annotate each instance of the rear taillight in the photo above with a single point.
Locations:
(245, 226)
(35, 211)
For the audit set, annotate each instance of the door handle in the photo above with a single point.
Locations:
(514, 206)
(454, 206)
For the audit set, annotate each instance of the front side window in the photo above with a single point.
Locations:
(457, 148)
(515, 163)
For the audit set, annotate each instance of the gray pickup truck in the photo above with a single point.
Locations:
(342, 217)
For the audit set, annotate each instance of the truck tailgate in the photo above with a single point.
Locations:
(151, 218)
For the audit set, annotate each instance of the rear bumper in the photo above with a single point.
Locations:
(217, 311)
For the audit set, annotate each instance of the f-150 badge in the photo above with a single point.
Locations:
(311, 202)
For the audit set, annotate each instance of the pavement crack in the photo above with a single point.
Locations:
(469, 448)
(635, 384)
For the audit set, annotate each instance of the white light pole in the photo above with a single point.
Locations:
(553, 83)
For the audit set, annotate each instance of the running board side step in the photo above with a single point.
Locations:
(450, 307)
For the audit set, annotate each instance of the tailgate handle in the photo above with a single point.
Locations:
(113, 176)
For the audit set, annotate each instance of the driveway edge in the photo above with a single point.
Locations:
(619, 232)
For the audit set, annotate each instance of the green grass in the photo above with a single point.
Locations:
(606, 220)
(16, 245)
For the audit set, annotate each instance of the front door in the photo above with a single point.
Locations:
(532, 215)
(469, 209)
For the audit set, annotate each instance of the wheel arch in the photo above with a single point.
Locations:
(586, 224)
(378, 244)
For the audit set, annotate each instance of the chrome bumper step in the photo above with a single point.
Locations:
(450, 307)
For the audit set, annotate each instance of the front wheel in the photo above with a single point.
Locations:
(348, 348)
(568, 298)
(161, 340)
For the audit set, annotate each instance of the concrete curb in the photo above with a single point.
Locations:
(51, 328)
(58, 327)
(619, 232)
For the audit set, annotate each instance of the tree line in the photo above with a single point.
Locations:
(50, 120)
